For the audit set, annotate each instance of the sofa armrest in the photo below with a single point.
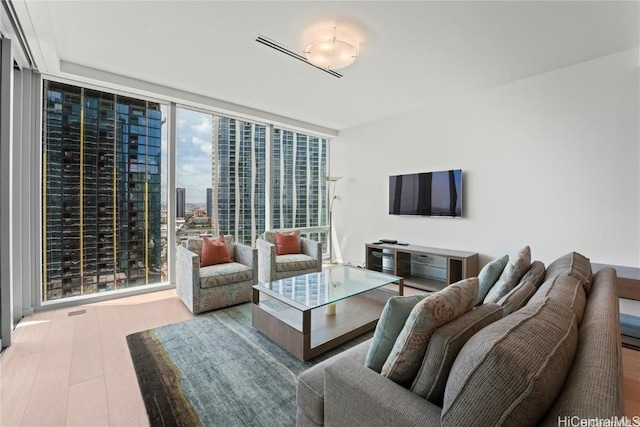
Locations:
(187, 277)
(313, 249)
(358, 396)
(594, 387)
(248, 256)
(266, 260)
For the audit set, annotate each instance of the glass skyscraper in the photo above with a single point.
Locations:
(238, 178)
(181, 197)
(299, 188)
(209, 202)
(239, 163)
(101, 191)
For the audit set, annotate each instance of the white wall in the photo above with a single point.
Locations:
(551, 161)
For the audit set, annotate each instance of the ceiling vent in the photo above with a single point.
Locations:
(280, 48)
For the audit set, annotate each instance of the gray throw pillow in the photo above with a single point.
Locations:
(489, 275)
(513, 272)
(439, 308)
(535, 274)
(392, 318)
(510, 372)
(564, 289)
(517, 297)
(444, 346)
(572, 264)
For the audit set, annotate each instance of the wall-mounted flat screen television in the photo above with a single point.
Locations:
(429, 194)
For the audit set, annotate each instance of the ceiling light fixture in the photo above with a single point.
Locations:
(331, 54)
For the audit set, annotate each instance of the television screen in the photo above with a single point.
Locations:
(429, 194)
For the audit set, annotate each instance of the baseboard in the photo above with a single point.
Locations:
(630, 342)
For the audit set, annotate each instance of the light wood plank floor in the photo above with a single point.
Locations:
(76, 370)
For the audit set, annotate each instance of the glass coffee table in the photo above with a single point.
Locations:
(310, 314)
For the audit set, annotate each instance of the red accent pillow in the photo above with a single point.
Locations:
(214, 252)
(287, 243)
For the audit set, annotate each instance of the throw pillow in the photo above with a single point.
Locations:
(214, 252)
(574, 265)
(517, 297)
(488, 277)
(392, 318)
(535, 274)
(513, 272)
(287, 243)
(566, 290)
(441, 307)
(444, 346)
(510, 372)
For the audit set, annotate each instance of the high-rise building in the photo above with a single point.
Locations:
(101, 191)
(239, 166)
(299, 190)
(209, 202)
(238, 182)
(181, 196)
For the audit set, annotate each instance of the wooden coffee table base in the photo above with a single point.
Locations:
(306, 332)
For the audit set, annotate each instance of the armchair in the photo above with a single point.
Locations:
(275, 267)
(216, 286)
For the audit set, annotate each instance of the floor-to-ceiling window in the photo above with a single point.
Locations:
(299, 188)
(222, 173)
(101, 192)
(193, 172)
(239, 178)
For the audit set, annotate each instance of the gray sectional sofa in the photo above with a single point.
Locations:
(556, 357)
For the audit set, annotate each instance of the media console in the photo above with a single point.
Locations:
(429, 269)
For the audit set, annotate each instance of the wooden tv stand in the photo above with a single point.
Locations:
(429, 269)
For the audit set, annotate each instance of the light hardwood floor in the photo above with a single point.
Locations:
(76, 370)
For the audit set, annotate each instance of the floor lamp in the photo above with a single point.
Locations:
(331, 179)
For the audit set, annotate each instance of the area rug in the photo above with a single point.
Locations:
(217, 370)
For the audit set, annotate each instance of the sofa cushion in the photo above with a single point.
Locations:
(535, 274)
(310, 388)
(444, 346)
(288, 243)
(574, 265)
(510, 372)
(214, 252)
(489, 275)
(392, 319)
(441, 307)
(294, 262)
(517, 297)
(513, 272)
(565, 289)
(224, 274)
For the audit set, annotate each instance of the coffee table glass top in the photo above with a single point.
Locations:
(329, 286)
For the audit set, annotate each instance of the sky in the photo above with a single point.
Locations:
(193, 154)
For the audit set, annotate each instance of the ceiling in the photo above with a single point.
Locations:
(411, 53)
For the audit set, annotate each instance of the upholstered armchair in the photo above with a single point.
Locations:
(274, 267)
(215, 286)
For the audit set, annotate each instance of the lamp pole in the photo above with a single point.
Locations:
(331, 179)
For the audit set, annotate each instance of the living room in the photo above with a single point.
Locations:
(536, 102)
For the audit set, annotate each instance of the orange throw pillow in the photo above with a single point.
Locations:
(214, 252)
(287, 243)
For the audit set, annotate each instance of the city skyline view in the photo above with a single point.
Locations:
(193, 154)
